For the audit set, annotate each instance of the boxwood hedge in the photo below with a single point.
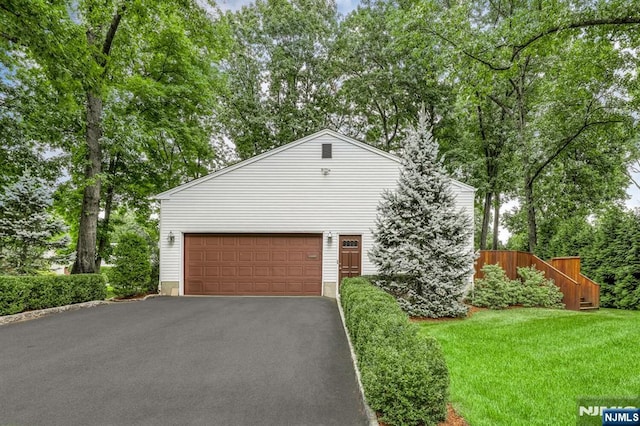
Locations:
(404, 374)
(25, 293)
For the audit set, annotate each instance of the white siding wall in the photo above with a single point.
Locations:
(286, 193)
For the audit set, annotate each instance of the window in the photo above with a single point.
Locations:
(326, 150)
(350, 243)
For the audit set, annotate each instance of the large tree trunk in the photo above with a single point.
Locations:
(486, 217)
(87, 234)
(496, 220)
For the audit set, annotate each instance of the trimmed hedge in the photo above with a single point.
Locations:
(404, 374)
(25, 293)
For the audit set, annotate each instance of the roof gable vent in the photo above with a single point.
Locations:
(326, 150)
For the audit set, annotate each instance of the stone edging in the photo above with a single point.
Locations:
(371, 415)
(29, 315)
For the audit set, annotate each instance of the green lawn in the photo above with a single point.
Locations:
(528, 366)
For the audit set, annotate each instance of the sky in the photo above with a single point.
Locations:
(344, 6)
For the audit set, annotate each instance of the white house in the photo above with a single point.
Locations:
(292, 221)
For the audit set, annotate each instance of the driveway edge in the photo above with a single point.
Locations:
(371, 415)
(29, 315)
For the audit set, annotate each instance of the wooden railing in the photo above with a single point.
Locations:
(564, 271)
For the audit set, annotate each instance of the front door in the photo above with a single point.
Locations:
(350, 256)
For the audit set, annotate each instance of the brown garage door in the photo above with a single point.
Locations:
(262, 264)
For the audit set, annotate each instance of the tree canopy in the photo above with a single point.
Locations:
(531, 101)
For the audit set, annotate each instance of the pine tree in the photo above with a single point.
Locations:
(422, 240)
(29, 233)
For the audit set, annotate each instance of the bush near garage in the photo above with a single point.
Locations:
(131, 273)
(404, 374)
(25, 293)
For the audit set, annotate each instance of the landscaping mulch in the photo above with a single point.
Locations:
(453, 419)
(472, 310)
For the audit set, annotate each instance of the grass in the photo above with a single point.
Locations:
(529, 366)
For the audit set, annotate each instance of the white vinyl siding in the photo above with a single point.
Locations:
(286, 193)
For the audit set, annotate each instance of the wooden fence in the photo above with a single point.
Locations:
(577, 289)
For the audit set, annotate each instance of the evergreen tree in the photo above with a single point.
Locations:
(29, 233)
(422, 241)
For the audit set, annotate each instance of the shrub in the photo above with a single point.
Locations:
(132, 271)
(404, 374)
(538, 291)
(14, 293)
(106, 272)
(495, 290)
(24, 293)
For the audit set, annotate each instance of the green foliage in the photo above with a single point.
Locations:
(613, 258)
(537, 291)
(25, 293)
(497, 291)
(132, 88)
(404, 375)
(422, 237)
(29, 233)
(14, 295)
(280, 82)
(132, 270)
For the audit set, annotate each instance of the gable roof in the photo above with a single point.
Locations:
(167, 194)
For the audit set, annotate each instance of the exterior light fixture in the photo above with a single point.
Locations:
(325, 171)
(171, 238)
(329, 236)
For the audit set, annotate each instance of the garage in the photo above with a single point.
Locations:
(295, 220)
(253, 264)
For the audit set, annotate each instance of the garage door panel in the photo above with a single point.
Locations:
(229, 271)
(295, 287)
(262, 287)
(245, 271)
(244, 287)
(228, 286)
(209, 287)
(229, 241)
(196, 271)
(261, 264)
(279, 271)
(278, 287)
(278, 242)
(296, 256)
(295, 271)
(262, 271)
(279, 256)
(228, 256)
(211, 256)
(262, 256)
(212, 271)
(197, 256)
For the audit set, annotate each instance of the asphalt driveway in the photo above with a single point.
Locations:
(181, 361)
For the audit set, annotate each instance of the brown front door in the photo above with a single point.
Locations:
(350, 256)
